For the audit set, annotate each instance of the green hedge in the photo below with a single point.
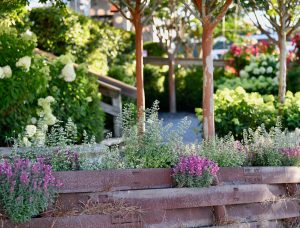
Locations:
(31, 78)
(20, 90)
(236, 110)
(62, 31)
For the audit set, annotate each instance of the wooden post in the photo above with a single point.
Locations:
(172, 87)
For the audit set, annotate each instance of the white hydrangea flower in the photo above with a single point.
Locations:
(262, 70)
(244, 74)
(30, 130)
(256, 71)
(33, 120)
(264, 63)
(24, 62)
(88, 99)
(269, 70)
(7, 71)
(68, 72)
(26, 142)
(50, 119)
(248, 68)
(49, 99)
(277, 65)
(2, 75)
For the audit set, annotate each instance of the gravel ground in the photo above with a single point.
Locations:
(193, 133)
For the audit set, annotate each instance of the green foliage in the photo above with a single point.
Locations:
(291, 111)
(236, 110)
(293, 79)
(159, 147)
(65, 160)
(19, 91)
(271, 148)
(78, 100)
(262, 84)
(62, 31)
(226, 152)
(26, 188)
(154, 49)
(184, 180)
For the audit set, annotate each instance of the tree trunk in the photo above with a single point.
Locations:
(208, 89)
(172, 88)
(282, 67)
(139, 73)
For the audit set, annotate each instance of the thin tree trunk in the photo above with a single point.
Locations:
(208, 90)
(282, 68)
(139, 73)
(172, 89)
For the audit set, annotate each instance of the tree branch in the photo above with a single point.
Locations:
(222, 13)
(120, 10)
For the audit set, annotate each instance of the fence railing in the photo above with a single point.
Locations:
(160, 61)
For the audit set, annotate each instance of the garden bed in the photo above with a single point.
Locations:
(248, 195)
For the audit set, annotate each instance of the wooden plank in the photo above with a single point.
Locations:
(160, 61)
(282, 209)
(200, 197)
(109, 90)
(112, 110)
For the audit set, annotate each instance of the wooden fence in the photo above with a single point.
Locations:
(244, 197)
(160, 61)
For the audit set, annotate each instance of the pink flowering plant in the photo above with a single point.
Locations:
(194, 171)
(26, 188)
(291, 156)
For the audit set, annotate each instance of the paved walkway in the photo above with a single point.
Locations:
(192, 135)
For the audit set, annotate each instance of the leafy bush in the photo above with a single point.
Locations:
(226, 152)
(293, 79)
(154, 49)
(271, 148)
(194, 171)
(159, 146)
(62, 31)
(78, 99)
(26, 188)
(262, 84)
(236, 110)
(23, 79)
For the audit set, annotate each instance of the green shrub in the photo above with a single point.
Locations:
(154, 49)
(293, 78)
(159, 146)
(78, 99)
(291, 111)
(20, 89)
(155, 86)
(236, 110)
(262, 84)
(271, 148)
(226, 152)
(62, 31)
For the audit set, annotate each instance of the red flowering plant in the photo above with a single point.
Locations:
(240, 56)
(26, 188)
(194, 171)
(296, 43)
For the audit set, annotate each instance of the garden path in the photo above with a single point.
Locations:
(192, 135)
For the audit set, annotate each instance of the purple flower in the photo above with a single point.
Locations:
(24, 178)
(195, 165)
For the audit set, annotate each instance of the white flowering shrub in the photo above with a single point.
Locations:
(261, 65)
(23, 79)
(76, 96)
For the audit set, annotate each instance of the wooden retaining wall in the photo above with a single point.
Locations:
(244, 197)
